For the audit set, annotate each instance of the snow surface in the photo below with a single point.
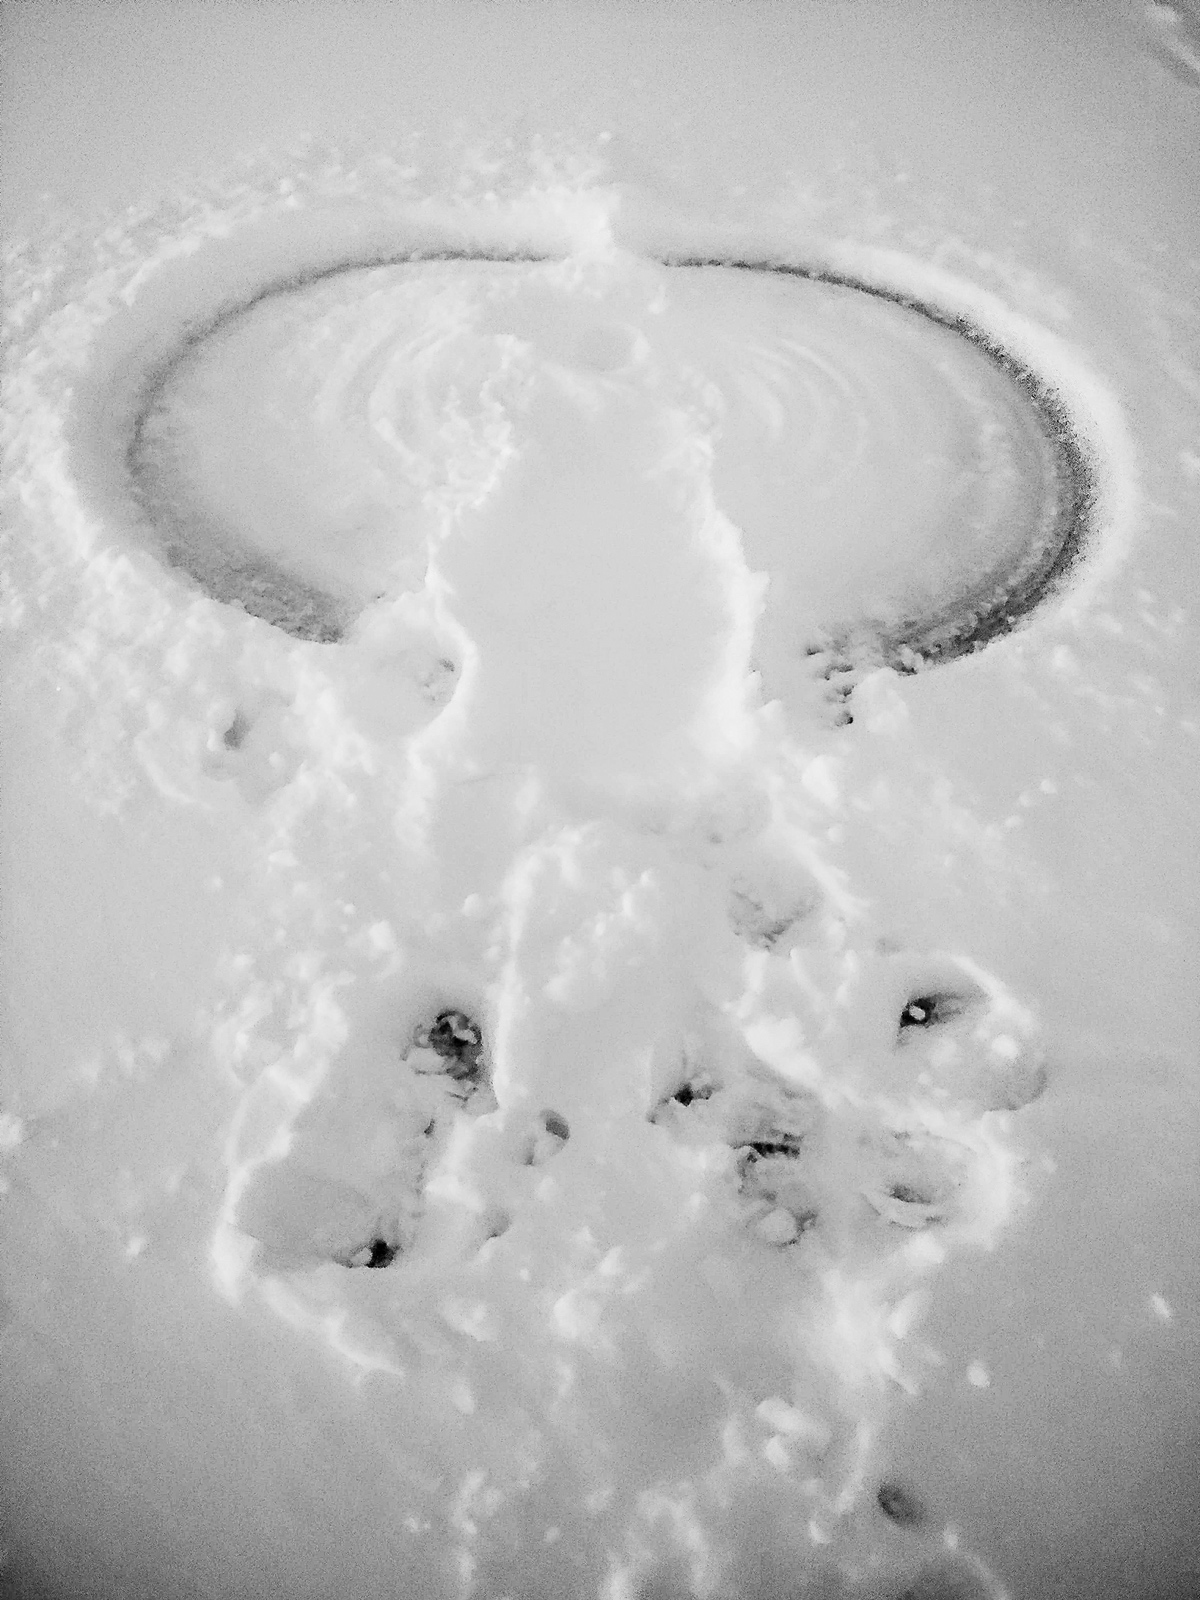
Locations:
(816, 1212)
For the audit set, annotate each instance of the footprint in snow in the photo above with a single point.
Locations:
(961, 1036)
(350, 1188)
(936, 1038)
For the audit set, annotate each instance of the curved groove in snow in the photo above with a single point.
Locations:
(997, 583)
(990, 608)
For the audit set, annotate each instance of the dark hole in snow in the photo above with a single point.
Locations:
(236, 732)
(909, 1195)
(556, 1125)
(377, 1253)
(688, 1092)
(457, 1039)
(900, 1504)
(918, 1013)
(453, 1033)
(779, 1144)
(927, 1010)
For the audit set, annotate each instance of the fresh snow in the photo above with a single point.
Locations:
(540, 1057)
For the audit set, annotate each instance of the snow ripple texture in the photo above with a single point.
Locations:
(908, 485)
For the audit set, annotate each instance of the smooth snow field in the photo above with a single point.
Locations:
(600, 736)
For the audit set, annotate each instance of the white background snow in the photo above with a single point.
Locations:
(566, 778)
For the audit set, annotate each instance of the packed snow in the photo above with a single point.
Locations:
(563, 997)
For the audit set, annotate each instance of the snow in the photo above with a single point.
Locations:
(506, 1089)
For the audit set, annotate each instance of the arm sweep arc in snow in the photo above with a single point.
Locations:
(1034, 565)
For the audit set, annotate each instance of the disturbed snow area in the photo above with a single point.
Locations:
(504, 1136)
